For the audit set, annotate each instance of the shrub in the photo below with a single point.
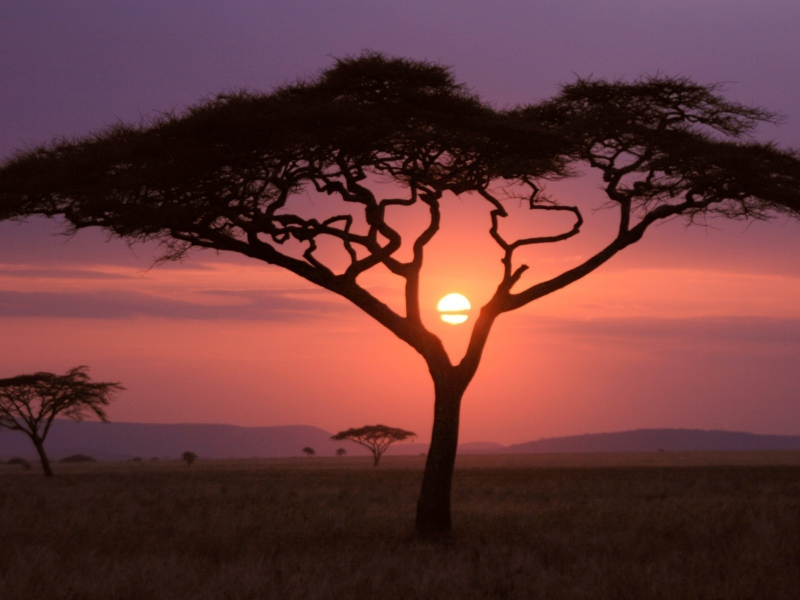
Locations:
(78, 458)
(20, 461)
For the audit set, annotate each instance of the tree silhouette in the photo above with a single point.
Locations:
(377, 438)
(189, 458)
(225, 173)
(341, 452)
(30, 403)
(308, 451)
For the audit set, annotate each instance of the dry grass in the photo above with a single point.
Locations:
(646, 526)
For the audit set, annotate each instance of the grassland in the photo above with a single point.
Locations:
(633, 526)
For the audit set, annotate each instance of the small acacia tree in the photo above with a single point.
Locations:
(225, 175)
(341, 452)
(377, 438)
(308, 451)
(189, 458)
(30, 403)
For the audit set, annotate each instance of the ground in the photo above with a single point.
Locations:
(659, 525)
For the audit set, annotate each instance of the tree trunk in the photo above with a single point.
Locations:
(433, 506)
(48, 472)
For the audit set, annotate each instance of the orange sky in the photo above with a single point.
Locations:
(691, 327)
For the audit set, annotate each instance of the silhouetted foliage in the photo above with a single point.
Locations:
(20, 461)
(30, 403)
(341, 452)
(376, 438)
(78, 458)
(224, 174)
(189, 458)
(308, 451)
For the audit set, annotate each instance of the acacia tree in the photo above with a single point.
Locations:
(225, 175)
(308, 451)
(30, 403)
(376, 438)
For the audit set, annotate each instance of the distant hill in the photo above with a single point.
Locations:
(120, 441)
(117, 441)
(653, 440)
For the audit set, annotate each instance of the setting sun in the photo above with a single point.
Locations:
(453, 307)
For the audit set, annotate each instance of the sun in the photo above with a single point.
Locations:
(453, 308)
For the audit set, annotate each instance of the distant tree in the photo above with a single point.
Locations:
(377, 438)
(30, 403)
(341, 452)
(226, 175)
(189, 458)
(78, 458)
(308, 451)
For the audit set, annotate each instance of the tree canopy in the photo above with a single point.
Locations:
(376, 438)
(226, 174)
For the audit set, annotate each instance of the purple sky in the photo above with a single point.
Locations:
(694, 328)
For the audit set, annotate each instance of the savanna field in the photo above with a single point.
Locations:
(638, 526)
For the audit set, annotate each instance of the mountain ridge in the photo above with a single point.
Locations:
(121, 441)
(652, 440)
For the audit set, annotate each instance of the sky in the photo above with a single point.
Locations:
(695, 327)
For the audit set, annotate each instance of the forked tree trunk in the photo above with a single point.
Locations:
(433, 506)
(48, 472)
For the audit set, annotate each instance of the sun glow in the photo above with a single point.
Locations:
(453, 308)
